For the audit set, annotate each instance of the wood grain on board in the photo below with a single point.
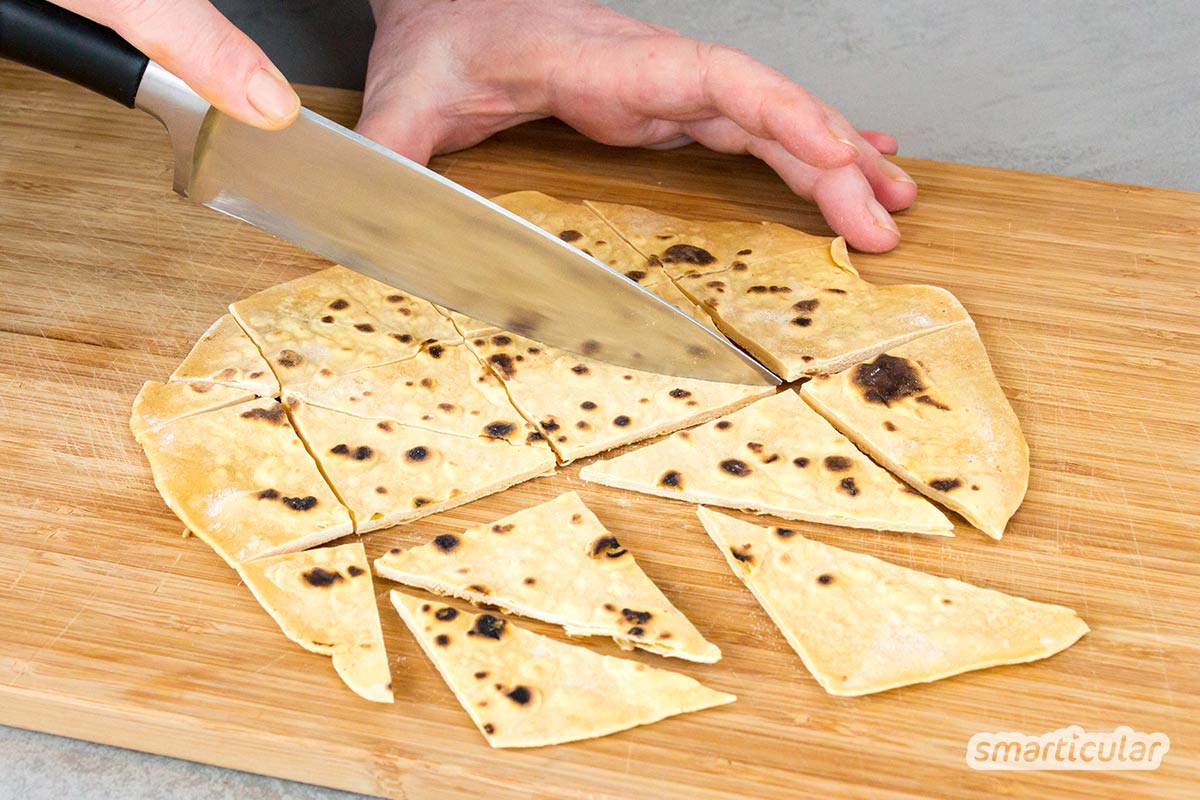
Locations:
(116, 629)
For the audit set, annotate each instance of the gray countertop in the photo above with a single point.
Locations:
(1106, 90)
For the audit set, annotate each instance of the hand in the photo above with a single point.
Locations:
(195, 42)
(446, 75)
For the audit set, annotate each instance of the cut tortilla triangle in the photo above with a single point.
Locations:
(388, 473)
(323, 600)
(776, 456)
(862, 625)
(442, 388)
(583, 406)
(241, 480)
(227, 356)
(933, 413)
(554, 562)
(158, 404)
(522, 689)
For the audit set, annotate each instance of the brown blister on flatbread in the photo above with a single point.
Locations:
(442, 388)
(863, 625)
(241, 480)
(806, 312)
(323, 600)
(158, 404)
(554, 562)
(696, 248)
(776, 456)
(226, 355)
(387, 472)
(522, 689)
(932, 412)
(335, 322)
(583, 406)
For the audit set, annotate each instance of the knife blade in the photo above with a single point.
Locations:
(348, 199)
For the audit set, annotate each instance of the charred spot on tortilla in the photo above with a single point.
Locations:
(481, 675)
(587, 405)
(688, 254)
(446, 613)
(583, 425)
(479, 588)
(635, 274)
(929, 401)
(837, 463)
(268, 494)
(580, 369)
(488, 627)
(503, 364)
(520, 695)
(328, 318)
(530, 581)
(339, 305)
(886, 380)
(534, 436)
(671, 479)
(421, 501)
(800, 462)
(364, 327)
(825, 579)
(300, 503)
(849, 487)
(742, 553)
(436, 351)
(754, 447)
(441, 640)
(621, 421)
(736, 467)
(723, 425)
(384, 426)
(679, 394)
(427, 383)
(354, 571)
(360, 453)
(321, 578)
(502, 528)
(403, 338)
(499, 430)
(636, 630)
(274, 415)
(445, 542)
(570, 235)
(946, 484)
(549, 425)
(638, 617)
(609, 546)
(784, 533)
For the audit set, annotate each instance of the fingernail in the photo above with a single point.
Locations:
(271, 95)
(896, 174)
(881, 216)
(853, 146)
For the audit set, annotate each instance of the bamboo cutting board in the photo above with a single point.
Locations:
(114, 628)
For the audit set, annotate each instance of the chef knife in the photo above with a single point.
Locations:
(350, 200)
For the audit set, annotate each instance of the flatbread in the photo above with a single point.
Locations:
(808, 312)
(157, 403)
(323, 600)
(583, 406)
(554, 562)
(337, 321)
(933, 413)
(388, 473)
(778, 457)
(226, 355)
(442, 388)
(241, 480)
(685, 247)
(862, 625)
(526, 690)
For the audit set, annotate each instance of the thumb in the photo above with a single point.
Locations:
(195, 42)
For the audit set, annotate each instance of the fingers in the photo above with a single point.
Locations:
(194, 41)
(883, 142)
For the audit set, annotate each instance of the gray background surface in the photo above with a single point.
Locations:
(1107, 90)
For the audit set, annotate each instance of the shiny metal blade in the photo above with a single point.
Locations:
(341, 196)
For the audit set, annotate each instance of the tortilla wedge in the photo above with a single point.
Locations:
(224, 354)
(158, 404)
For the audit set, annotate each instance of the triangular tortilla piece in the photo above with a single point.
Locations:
(337, 321)
(522, 689)
(685, 247)
(226, 355)
(554, 562)
(862, 625)
(776, 456)
(583, 406)
(442, 388)
(808, 312)
(388, 473)
(933, 413)
(242, 481)
(324, 601)
(158, 404)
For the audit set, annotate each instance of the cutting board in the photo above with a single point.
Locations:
(115, 628)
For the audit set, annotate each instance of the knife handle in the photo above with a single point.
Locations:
(54, 40)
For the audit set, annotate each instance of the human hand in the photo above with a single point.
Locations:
(446, 75)
(195, 42)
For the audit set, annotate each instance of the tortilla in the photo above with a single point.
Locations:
(157, 403)
(323, 600)
(862, 625)
(522, 689)
(685, 247)
(387, 472)
(554, 562)
(778, 457)
(241, 480)
(337, 321)
(583, 406)
(442, 388)
(226, 355)
(933, 413)
(808, 312)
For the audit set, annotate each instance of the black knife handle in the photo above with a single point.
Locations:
(57, 41)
